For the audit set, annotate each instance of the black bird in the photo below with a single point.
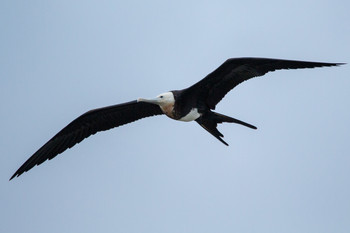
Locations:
(191, 104)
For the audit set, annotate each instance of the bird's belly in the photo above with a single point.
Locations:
(191, 116)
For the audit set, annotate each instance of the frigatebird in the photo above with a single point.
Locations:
(191, 104)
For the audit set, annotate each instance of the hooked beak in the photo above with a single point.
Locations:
(152, 101)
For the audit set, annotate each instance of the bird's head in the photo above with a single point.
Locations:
(161, 100)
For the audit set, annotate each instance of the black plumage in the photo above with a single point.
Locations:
(201, 97)
(89, 123)
(237, 70)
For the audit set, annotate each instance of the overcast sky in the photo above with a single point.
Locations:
(59, 59)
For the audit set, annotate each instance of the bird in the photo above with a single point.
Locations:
(195, 103)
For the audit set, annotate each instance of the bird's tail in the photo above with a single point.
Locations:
(220, 118)
(210, 121)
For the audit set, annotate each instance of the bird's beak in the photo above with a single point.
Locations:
(152, 101)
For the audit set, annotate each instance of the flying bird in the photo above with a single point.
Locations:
(194, 103)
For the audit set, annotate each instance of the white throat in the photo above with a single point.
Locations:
(166, 98)
(165, 101)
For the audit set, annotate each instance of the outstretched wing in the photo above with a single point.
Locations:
(88, 124)
(236, 70)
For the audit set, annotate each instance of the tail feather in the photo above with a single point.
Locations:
(220, 118)
(210, 121)
(210, 126)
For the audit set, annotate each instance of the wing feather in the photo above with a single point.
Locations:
(237, 70)
(88, 124)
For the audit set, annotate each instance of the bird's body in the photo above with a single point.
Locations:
(195, 103)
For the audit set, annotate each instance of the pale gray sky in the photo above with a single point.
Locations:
(59, 59)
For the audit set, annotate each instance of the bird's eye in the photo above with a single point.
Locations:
(161, 96)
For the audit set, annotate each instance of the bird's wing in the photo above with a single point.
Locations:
(88, 124)
(236, 70)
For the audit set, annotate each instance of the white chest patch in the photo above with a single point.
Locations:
(191, 116)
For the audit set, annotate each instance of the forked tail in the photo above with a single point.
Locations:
(210, 120)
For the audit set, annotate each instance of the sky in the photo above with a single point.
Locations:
(60, 59)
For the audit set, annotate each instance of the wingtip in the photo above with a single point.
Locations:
(13, 176)
(17, 174)
(338, 64)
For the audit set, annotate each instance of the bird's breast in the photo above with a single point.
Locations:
(168, 109)
(191, 116)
